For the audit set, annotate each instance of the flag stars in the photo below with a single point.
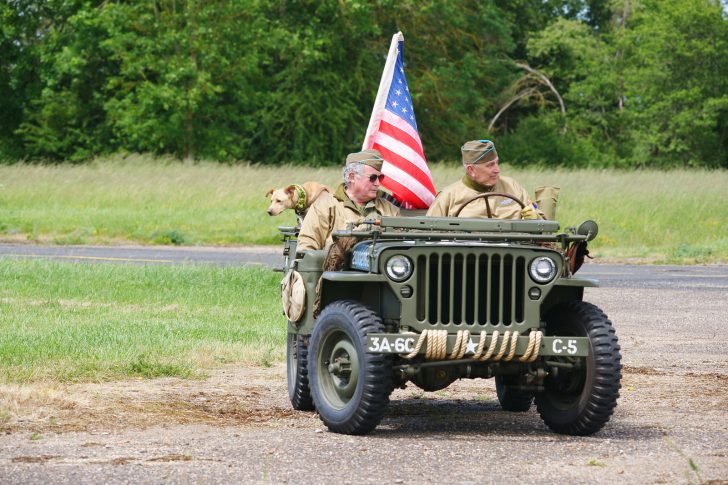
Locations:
(396, 109)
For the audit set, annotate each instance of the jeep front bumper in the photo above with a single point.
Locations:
(552, 346)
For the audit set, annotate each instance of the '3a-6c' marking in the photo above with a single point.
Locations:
(399, 345)
(558, 346)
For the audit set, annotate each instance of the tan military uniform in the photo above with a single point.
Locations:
(455, 195)
(331, 213)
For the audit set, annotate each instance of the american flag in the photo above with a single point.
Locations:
(393, 131)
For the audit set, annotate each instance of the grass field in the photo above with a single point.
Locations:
(67, 322)
(676, 216)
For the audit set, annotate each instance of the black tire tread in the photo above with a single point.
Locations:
(512, 399)
(607, 372)
(300, 396)
(376, 373)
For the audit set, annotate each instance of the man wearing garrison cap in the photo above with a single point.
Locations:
(358, 197)
(482, 174)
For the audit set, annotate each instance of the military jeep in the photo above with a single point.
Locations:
(429, 300)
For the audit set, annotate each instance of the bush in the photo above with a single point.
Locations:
(538, 140)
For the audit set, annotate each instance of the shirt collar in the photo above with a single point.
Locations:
(344, 198)
(476, 186)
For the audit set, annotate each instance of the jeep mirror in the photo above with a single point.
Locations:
(589, 229)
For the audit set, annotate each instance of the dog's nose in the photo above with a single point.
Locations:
(270, 212)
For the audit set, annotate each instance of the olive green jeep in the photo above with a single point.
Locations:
(429, 300)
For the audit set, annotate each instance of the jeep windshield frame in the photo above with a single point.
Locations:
(452, 228)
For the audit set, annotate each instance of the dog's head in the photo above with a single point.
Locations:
(281, 199)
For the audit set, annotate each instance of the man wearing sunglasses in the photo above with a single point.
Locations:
(482, 174)
(358, 197)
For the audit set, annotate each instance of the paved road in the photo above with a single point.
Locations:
(266, 255)
(713, 277)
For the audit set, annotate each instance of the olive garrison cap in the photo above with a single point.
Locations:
(478, 151)
(369, 157)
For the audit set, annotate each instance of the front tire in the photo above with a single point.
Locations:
(350, 387)
(297, 356)
(579, 401)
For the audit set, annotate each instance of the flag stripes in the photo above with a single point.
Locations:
(393, 131)
(400, 182)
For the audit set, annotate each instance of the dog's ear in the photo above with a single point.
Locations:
(291, 189)
(270, 191)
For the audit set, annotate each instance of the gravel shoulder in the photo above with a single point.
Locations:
(670, 425)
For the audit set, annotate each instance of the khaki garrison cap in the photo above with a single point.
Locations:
(478, 151)
(367, 157)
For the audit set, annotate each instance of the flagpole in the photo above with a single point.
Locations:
(383, 89)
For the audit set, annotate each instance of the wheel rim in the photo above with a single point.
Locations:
(338, 369)
(567, 388)
(579, 401)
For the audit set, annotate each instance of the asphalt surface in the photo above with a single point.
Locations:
(164, 255)
(711, 277)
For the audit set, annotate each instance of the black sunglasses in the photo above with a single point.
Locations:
(373, 177)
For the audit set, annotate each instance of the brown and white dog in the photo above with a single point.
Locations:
(296, 197)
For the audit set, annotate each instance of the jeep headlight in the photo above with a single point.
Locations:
(398, 268)
(542, 269)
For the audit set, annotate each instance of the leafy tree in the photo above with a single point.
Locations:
(458, 57)
(634, 82)
(66, 120)
(319, 71)
(187, 82)
(528, 17)
(19, 65)
(330, 59)
(586, 69)
(676, 83)
(650, 91)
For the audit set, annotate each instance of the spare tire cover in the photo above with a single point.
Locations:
(293, 294)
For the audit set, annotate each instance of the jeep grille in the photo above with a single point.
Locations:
(470, 289)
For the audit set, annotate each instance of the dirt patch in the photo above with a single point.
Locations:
(238, 422)
(231, 396)
(240, 396)
(646, 371)
(34, 459)
(172, 458)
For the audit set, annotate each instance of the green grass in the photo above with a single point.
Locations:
(80, 322)
(677, 216)
(144, 201)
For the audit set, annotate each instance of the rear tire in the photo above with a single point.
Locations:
(297, 357)
(580, 401)
(350, 387)
(510, 398)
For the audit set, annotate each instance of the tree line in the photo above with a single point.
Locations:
(604, 83)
